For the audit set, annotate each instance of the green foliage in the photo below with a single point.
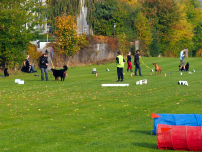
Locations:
(15, 35)
(144, 34)
(155, 47)
(197, 38)
(103, 14)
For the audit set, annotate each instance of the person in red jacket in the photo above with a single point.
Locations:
(129, 57)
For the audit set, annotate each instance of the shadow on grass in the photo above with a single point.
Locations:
(141, 132)
(144, 144)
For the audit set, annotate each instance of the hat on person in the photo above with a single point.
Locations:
(46, 52)
(119, 52)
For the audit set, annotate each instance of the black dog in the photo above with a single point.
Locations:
(60, 73)
(6, 74)
(186, 67)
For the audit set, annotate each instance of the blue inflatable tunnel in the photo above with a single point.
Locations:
(178, 119)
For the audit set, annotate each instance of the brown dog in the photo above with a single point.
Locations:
(157, 68)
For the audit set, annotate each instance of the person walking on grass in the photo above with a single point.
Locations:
(129, 57)
(44, 65)
(182, 59)
(120, 64)
(137, 63)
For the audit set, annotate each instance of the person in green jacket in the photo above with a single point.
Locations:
(120, 64)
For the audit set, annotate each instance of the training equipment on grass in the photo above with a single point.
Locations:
(19, 81)
(183, 83)
(152, 70)
(186, 138)
(177, 119)
(115, 85)
(107, 70)
(94, 71)
(141, 82)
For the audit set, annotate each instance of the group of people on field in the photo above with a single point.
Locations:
(120, 63)
(43, 65)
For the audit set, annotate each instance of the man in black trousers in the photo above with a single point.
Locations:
(137, 63)
(120, 64)
(44, 65)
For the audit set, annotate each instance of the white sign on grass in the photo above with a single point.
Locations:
(115, 85)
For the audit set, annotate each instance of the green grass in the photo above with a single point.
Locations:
(80, 115)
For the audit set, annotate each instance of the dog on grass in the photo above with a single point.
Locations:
(59, 73)
(186, 67)
(157, 68)
(6, 74)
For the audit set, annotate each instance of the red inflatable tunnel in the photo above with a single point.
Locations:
(187, 138)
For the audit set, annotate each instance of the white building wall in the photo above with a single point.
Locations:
(82, 25)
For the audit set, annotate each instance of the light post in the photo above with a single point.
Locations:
(114, 28)
(48, 31)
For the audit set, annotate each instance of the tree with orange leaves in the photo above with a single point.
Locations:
(67, 37)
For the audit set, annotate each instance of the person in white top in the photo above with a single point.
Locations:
(182, 59)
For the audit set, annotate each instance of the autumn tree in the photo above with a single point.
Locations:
(123, 43)
(34, 54)
(58, 8)
(143, 31)
(68, 39)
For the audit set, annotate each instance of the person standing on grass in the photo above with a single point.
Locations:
(44, 65)
(137, 63)
(120, 64)
(129, 57)
(182, 59)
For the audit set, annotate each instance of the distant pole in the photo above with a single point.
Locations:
(48, 31)
(186, 52)
(136, 45)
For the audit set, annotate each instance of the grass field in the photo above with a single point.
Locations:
(80, 115)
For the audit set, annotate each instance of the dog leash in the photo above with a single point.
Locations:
(52, 64)
(144, 64)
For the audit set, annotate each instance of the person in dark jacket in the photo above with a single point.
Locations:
(44, 65)
(137, 63)
(120, 64)
(129, 57)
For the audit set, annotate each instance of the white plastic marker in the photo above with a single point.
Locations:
(183, 83)
(141, 82)
(17, 80)
(21, 82)
(115, 85)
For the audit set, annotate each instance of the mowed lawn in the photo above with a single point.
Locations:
(81, 115)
